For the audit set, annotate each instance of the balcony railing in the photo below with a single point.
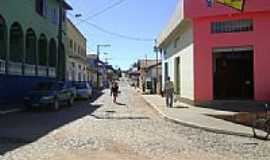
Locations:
(42, 71)
(29, 70)
(52, 72)
(2, 66)
(15, 68)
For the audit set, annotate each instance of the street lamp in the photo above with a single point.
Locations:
(98, 53)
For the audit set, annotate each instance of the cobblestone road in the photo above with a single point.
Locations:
(131, 130)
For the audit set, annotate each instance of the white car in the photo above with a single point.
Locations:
(84, 90)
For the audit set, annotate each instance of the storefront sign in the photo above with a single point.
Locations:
(236, 4)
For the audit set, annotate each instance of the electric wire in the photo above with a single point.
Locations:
(105, 9)
(113, 33)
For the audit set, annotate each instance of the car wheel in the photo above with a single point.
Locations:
(55, 105)
(71, 101)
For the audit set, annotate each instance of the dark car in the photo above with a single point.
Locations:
(50, 94)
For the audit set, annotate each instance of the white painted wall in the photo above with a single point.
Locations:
(74, 72)
(184, 50)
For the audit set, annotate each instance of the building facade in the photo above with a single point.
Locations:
(29, 44)
(217, 52)
(76, 53)
(146, 75)
(92, 68)
(153, 73)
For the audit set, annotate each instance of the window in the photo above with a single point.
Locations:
(30, 57)
(3, 38)
(79, 50)
(245, 25)
(75, 47)
(52, 53)
(16, 43)
(42, 50)
(40, 7)
(55, 17)
(71, 43)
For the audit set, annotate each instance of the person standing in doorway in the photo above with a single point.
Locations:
(169, 91)
(114, 91)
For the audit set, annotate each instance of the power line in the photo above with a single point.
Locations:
(105, 9)
(115, 34)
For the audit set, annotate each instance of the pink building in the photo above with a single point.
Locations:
(229, 49)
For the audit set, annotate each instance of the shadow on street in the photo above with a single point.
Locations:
(235, 106)
(18, 129)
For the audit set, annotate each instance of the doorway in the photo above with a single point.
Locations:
(233, 74)
(177, 75)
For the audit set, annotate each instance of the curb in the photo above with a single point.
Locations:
(197, 126)
(11, 111)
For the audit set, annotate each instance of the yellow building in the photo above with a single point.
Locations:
(76, 68)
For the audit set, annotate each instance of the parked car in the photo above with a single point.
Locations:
(84, 90)
(69, 85)
(50, 94)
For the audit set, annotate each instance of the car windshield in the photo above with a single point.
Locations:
(46, 87)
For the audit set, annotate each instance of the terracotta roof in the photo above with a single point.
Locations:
(143, 63)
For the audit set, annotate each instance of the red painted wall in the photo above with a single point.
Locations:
(204, 42)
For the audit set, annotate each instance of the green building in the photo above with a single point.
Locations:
(28, 37)
(29, 40)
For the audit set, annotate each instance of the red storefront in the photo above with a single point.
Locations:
(231, 50)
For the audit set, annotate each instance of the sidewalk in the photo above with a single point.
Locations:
(197, 117)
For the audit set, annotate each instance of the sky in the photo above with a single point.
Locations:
(143, 19)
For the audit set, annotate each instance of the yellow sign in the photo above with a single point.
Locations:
(236, 4)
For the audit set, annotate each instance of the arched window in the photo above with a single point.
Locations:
(3, 39)
(52, 53)
(16, 43)
(42, 50)
(30, 55)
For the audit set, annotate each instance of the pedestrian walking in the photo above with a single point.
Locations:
(169, 91)
(114, 91)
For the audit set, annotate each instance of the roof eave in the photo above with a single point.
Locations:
(66, 5)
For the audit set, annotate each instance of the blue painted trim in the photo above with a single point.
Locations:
(13, 88)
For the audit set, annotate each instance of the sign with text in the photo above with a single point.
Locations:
(236, 4)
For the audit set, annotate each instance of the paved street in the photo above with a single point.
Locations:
(130, 130)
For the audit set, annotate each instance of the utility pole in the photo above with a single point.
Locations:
(61, 76)
(157, 77)
(98, 53)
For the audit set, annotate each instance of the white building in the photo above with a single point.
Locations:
(176, 42)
